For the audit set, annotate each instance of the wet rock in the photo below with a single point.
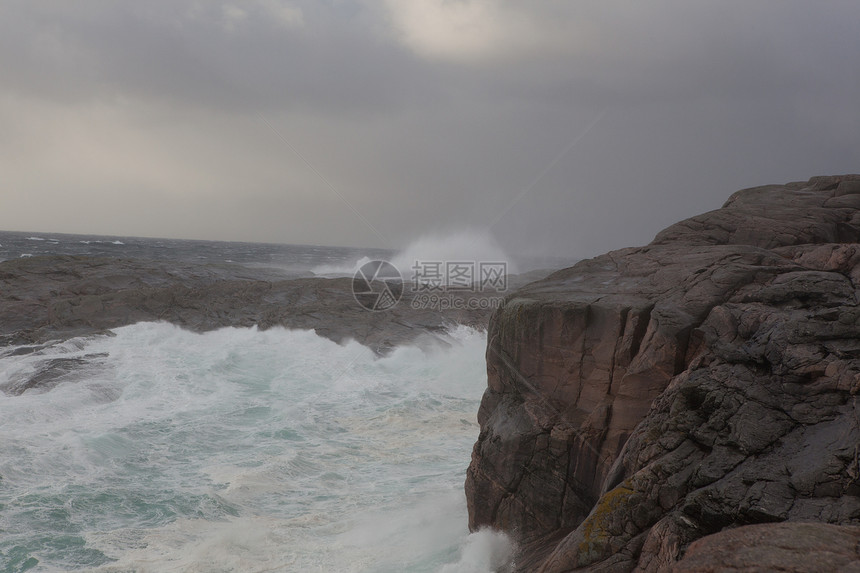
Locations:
(50, 298)
(653, 396)
(789, 547)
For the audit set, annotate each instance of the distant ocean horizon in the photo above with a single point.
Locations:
(291, 259)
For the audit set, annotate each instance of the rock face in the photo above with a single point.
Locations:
(786, 547)
(653, 396)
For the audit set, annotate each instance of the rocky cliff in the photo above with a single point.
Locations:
(652, 397)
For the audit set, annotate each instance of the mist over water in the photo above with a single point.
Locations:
(459, 246)
(243, 450)
(470, 246)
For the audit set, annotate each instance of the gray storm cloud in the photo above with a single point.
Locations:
(563, 128)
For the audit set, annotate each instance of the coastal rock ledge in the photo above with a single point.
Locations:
(651, 408)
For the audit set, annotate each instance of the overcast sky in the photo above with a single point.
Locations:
(562, 127)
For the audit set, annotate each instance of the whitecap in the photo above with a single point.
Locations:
(244, 450)
(340, 269)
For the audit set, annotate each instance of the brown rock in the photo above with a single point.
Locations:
(56, 297)
(46, 299)
(649, 397)
(789, 547)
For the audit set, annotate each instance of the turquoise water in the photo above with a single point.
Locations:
(242, 450)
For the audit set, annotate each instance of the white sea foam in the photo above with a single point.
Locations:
(245, 450)
(484, 551)
(89, 242)
(340, 270)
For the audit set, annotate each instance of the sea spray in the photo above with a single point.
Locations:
(461, 246)
(465, 246)
(243, 450)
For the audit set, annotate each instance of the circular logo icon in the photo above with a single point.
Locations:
(377, 285)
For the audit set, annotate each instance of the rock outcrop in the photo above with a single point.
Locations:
(58, 297)
(651, 397)
(785, 547)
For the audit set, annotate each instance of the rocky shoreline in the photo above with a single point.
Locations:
(48, 299)
(689, 405)
(651, 408)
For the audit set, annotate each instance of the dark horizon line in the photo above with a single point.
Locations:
(145, 237)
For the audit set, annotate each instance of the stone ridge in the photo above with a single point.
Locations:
(652, 396)
(51, 298)
(44, 300)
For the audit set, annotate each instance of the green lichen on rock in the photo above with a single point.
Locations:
(598, 529)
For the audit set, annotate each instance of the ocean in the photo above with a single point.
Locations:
(239, 450)
(292, 260)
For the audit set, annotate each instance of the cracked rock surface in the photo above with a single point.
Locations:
(655, 396)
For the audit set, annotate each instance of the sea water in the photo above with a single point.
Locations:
(290, 259)
(161, 450)
(243, 450)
